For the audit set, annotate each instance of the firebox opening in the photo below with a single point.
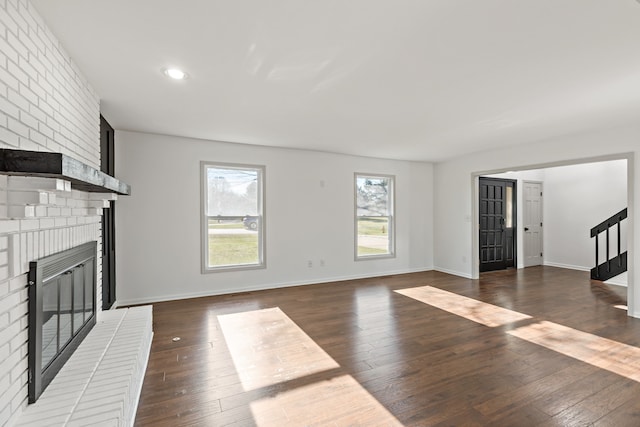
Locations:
(62, 311)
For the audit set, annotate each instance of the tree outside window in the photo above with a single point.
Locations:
(374, 216)
(233, 217)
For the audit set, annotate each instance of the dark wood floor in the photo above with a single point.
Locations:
(422, 365)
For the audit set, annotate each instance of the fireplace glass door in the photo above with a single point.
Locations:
(61, 311)
(67, 303)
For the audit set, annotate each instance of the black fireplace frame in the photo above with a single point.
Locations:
(44, 270)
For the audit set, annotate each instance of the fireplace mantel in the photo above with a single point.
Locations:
(57, 165)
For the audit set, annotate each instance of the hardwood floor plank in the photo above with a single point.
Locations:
(601, 403)
(627, 415)
(359, 352)
(542, 387)
(572, 393)
(527, 415)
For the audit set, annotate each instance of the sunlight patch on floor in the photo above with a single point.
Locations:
(268, 348)
(619, 358)
(341, 401)
(469, 308)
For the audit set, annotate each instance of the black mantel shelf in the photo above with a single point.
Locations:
(57, 165)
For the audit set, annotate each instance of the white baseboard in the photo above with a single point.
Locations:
(453, 272)
(262, 287)
(617, 282)
(568, 266)
(620, 280)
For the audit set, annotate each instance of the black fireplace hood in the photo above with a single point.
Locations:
(57, 165)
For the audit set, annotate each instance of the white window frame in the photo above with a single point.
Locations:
(204, 232)
(392, 216)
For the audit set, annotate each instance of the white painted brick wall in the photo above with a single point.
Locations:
(101, 383)
(24, 239)
(46, 104)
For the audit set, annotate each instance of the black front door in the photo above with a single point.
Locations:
(497, 224)
(107, 154)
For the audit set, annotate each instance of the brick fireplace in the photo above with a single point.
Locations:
(46, 105)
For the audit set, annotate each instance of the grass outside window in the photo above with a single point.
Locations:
(374, 198)
(231, 244)
(232, 217)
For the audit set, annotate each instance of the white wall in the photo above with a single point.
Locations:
(454, 195)
(158, 241)
(577, 198)
(45, 105)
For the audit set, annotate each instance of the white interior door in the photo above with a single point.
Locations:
(532, 218)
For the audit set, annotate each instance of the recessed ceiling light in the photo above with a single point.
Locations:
(174, 73)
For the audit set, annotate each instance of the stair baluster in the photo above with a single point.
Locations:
(606, 270)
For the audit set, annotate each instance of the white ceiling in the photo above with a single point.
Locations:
(417, 80)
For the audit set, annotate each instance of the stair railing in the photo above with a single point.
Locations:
(612, 266)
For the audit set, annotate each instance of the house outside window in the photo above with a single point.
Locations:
(374, 216)
(233, 232)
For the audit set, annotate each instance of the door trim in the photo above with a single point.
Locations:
(107, 158)
(514, 219)
(473, 251)
(524, 255)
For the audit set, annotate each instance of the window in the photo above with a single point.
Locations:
(232, 217)
(374, 216)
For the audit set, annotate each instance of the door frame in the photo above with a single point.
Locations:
(473, 251)
(108, 254)
(524, 257)
(514, 214)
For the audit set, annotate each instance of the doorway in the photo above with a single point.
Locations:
(569, 186)
(532, 223)
(497, 220)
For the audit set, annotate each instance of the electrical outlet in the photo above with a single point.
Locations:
(310, 264)
(321, 263)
